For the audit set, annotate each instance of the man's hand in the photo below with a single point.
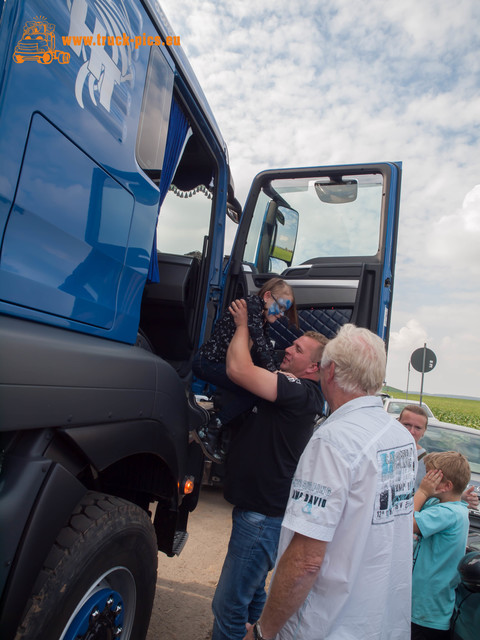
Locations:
(471, 498)
(249, 634)
(240, 367)
(295, 574)
(430, 482)
(238, 309)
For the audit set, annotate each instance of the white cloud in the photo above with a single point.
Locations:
(332, 81)
(455, 239)
(408, 338)
(447, 328)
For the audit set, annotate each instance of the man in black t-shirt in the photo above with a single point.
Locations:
(263, 454)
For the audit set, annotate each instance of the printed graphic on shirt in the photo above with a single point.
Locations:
(312, 494)
(395, 483)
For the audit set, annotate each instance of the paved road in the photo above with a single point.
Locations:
(186, 584)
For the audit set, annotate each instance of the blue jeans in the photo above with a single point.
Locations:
(240, 594)
(238, 399)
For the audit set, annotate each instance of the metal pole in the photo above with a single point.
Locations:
(423, 369)
(408, 380)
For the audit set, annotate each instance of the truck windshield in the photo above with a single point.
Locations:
(327, 226)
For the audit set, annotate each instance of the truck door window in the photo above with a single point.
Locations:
(184, 218)
(154, 117)
(337, 216)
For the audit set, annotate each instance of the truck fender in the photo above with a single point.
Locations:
(56, 499)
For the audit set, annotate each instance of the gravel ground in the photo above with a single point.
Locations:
(186, 583)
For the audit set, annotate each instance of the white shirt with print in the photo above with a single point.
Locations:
(354, 489)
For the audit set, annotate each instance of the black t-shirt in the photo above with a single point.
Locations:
(265, 447)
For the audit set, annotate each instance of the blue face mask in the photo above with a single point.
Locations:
(279, 306)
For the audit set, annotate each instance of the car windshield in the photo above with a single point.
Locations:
(439, 439)
(397, 407)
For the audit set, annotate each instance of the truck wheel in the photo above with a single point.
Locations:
(46, 58)
(62, 56)
(99, 578)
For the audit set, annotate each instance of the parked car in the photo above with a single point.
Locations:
(383, 394)
(443, 436)
(395, 406)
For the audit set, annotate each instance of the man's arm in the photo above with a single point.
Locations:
(294, 576)
(240, 367)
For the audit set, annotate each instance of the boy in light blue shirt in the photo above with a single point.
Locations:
(441, 524)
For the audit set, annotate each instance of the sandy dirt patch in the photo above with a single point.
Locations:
(186, 584)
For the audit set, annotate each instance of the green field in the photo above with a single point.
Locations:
(455, 410)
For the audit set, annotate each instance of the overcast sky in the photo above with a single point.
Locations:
(347, 81)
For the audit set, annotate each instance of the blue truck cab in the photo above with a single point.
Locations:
(115, 191)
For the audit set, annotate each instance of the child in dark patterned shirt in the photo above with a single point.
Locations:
(273, 300)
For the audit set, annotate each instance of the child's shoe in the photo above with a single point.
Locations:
(209, 439)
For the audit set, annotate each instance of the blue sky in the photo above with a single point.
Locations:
(342, 81)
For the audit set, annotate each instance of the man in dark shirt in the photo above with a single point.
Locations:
(263, 454)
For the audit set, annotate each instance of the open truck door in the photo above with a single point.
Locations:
(331, 233)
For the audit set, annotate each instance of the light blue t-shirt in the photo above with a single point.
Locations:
(444, 530)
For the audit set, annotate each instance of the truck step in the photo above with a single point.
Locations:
(179, 541)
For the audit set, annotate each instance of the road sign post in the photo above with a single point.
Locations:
(423, 360)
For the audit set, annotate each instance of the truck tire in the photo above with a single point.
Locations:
(46, 58)
(99, 578)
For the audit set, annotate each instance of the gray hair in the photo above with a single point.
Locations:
(360, 360)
